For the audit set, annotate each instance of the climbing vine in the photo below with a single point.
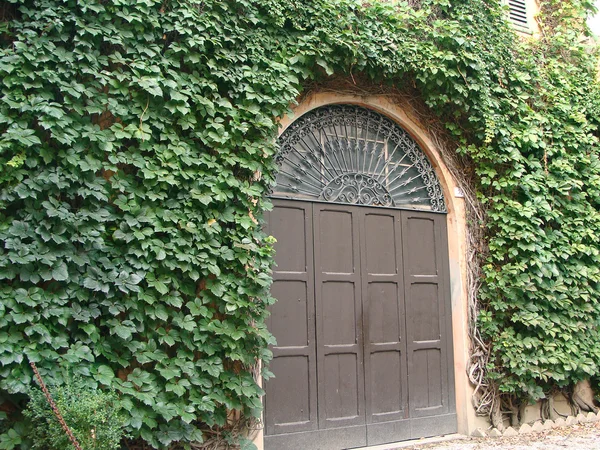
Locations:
(540, 294)
(136, 149)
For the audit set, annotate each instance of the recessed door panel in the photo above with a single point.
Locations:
(387, 396)
(380, 244)
(293, 405)
(421, 244)
(342, 393)
(423, 309)
(384, 312)
(427, 392)
(338, 313)
(289, 224)
(336, 241)
(289, 320)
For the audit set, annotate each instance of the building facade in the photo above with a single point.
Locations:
(371, 277)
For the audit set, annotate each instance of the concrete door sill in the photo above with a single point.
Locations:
(413, 442)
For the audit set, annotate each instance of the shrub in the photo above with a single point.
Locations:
(95, 417)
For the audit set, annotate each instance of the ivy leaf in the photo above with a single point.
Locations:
(161, 287)
(123, 330)
(60, 272)
(168, 373)
(10, 440)
(26, 137)
(105, 375)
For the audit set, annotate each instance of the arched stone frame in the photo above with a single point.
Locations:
(406, 117)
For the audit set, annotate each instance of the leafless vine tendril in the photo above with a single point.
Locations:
(57, 413)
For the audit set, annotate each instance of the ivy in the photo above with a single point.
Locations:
(542, 276)
(136, 151)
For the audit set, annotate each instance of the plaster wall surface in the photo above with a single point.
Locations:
(561, 408)
(533, 8)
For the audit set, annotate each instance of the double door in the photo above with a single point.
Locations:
(362, 323)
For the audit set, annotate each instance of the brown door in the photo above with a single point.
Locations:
(340, 370)
(384, 325)
(363, 353)
(292, 399)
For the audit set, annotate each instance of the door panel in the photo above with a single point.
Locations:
(292, 407)
(290, 319)
(423, 250)
(427, 393)
(387, 395)
(341, 388)
(291, 397)
(335, 236)
(340, 371)
(381, 252)
(384, 312)
(338, 313)
(423, 309)
(383, 305)
(288, 221)
(421, 246)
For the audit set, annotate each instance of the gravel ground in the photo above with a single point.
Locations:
(576, 437)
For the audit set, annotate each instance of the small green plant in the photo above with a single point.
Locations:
(95, 417)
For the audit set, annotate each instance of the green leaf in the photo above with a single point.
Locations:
(105, 375)
(60, 272)
(10, 440)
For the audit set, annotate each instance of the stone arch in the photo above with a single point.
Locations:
(407, 117)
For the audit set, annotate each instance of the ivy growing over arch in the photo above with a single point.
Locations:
(133, 134)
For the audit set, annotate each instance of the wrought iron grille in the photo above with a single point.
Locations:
(350, 154)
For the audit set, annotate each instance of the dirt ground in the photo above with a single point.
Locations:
(576, 437)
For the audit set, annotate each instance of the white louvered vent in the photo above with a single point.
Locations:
(518, 12)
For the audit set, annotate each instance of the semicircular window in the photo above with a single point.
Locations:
(350, 154)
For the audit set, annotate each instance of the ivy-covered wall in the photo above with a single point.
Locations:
(136, 149)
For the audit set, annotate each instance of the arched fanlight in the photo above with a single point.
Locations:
(350, 154)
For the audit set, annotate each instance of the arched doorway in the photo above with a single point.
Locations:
(364, 353)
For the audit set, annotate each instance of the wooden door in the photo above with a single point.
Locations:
(292, 395)
(340, 370)
(364, 353)
(384, 325)
(429, 340)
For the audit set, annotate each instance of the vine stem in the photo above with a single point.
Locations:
(57, 413)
